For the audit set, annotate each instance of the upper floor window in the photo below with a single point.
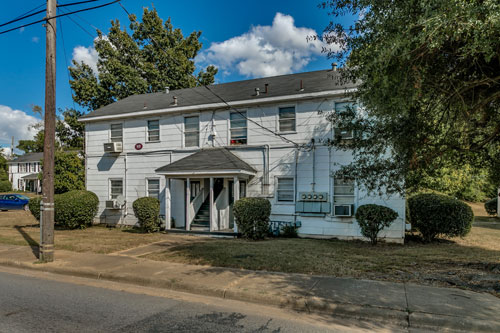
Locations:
(116, 133)
(342, 132)
(153, 188)
(153, 130)
(284, 189)
(115, 188)
(192, 131)
(238, 128)
(287, 119)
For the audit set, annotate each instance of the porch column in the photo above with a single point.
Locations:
(211, 203)
(236, 190)
(188, 203)
(168, 204)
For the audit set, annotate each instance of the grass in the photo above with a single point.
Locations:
(20, 228)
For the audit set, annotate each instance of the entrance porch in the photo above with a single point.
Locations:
(201, 189)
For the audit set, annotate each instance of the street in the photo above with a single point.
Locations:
(43, 302)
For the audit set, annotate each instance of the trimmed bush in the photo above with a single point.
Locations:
(437, 215)
(491, 206)
(5, 186)
(374, 218)
(289, 231)
(75, 209)
(34, 206)
(147, 211)
(252, 217)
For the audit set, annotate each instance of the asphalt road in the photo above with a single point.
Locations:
(37, 304)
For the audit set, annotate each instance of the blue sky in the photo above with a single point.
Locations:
(244, 39)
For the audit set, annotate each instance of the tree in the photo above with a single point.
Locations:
(69, 172)
(32, 146)
(429, 86)
(153, 57)
(4, 168)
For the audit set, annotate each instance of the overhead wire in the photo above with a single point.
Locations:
(46, 19)
(66, 59)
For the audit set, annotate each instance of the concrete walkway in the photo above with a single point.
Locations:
(407, 305)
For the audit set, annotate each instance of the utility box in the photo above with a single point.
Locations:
(312, 203)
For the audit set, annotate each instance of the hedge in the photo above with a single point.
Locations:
(491, 206)
(435, 215)
(147, 211)
(74, 209)
(5, 186)
(374, 218)
(252, 217)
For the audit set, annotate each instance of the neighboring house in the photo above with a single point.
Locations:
(197, 156)
(23, 172)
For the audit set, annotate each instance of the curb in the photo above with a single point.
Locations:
(398, 317)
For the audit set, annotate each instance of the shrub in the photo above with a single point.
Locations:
(252, 217)
(75, 209)
(289, 231)
(373, 218)
(439, 215)
(147, 211)
(34, 206)
(491, 206)
(5, 186)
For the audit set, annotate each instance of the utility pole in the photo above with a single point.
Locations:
(46, 253)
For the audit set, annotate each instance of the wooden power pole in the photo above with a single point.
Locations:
(47, 233)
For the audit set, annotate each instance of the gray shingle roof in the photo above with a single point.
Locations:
(206, 160)
(283, 85)
(28, 157)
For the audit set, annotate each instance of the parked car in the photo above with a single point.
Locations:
(13, 201)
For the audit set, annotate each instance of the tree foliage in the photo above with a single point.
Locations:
(69, 171)
(4, 168)
(429, 83)
(154, 56)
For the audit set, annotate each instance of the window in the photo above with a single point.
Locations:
(238, 128)
(343, 195)
(337, 131)
(116, 133)
(285, 191)
(195, 189)
(154, 188)
(192, 131)
(243, 189)
(153, 130)
(287, 119)
(115, 188)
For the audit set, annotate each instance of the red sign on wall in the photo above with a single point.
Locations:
(138, 146)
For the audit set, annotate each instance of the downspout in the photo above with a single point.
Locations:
(265, 184)
(313, 184)
(295, 184)
(125, 186)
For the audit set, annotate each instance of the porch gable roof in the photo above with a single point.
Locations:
(215, 161)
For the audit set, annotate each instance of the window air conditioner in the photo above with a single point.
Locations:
(113, 147)
(343, 210)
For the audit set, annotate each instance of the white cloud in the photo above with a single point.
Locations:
(281, 48)
(21, 30)
(5, 151)
(35, 39)
(88, 55)
(15, 123)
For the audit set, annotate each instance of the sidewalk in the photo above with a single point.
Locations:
(406, 305)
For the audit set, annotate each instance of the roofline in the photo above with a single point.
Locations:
(209, 106)
(206, 172)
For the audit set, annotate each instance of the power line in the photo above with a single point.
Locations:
(79, 26)
(57, 16)
(76, 3)
(66, 60)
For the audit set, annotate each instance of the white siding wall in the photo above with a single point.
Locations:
(142, 164)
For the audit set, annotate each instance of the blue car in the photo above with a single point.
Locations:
(13, 201)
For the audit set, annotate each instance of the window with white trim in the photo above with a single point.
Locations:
(342, 132)
(287, 119)
(153, 189)
(238, 128)
(116, 133)
(192, 131)
(343, 195)
(153, 130)
(285, 189)
(115, 188)
(195, 189)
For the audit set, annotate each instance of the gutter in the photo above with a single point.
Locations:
(211, 106)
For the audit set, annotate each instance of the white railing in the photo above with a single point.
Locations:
(220, 216)
(196, 203)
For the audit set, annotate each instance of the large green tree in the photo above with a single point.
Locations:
(152, 57)
(429, 84)
(4, 168)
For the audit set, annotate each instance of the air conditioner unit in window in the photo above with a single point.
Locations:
(117, 203)
(343, 210)
(113, 147)
(344, 134)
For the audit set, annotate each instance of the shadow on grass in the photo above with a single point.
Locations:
(31, 242)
